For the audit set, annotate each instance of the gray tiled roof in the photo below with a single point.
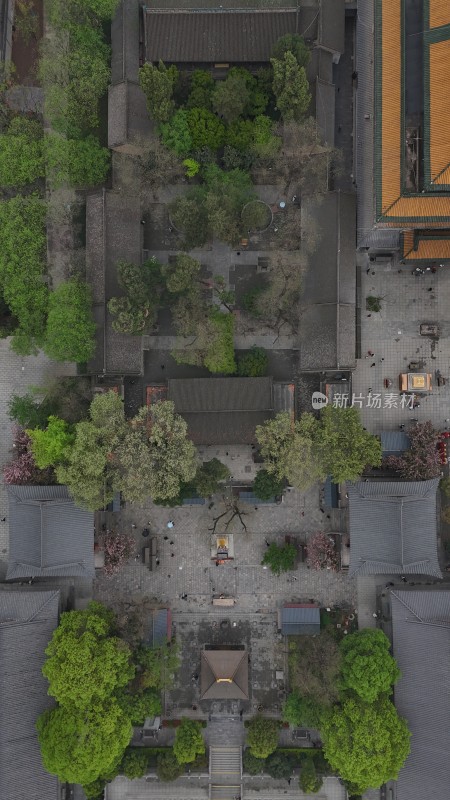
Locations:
(218, 35)
(222, 410)
(393, 528)
(300, 620)
(421, 638)
(327, 319)
(27, 621)
(49, 535)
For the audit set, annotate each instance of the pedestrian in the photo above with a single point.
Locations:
(133, 525)
(267, 542)
(390, 583)
(367, 270)
(369, 391)
(3, 519)
(172, 555)
(370, 353)
(169, 576)
(170, 523)
(381, 360)
(165, 538)
(430, 289)
(369, 315)
(156, 562)
(373, 364)
(403, 578)
(171, 541)
(142, 221)
(163, 366)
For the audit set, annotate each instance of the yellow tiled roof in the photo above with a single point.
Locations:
(391, 103)
(439, 110)
(427, 249)
(424, 210)
(439, 13)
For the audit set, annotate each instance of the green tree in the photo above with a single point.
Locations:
(52, 445)
(70, 327)
(232, 96)
(262, 736)
(240, 134)
(168, 768)
(81, 744)
(78, 162)
(176, 133)
(310, 783)
(139, 705)
(279, 765)
(134, 763)
(295, 44)
(266, 485)
(202, 88)
(280, 558)
(213, 346)
(22, 266)
(209, 477)
(29, 412)
(265, 145)
(188, 214)
(290, 87)
(188, 741)
(158, 85)
(289, 449)
(157, 665)
(142, 285)
(181, 273)
(253, 364)
(299, 711)
(314, 668)
(74, 70)
(367, 665)
(205, 129)
(156, 459)
(251, 764)
(90, 473)
(21, 152)
(366, 743)
(346, 448)
(85, 663)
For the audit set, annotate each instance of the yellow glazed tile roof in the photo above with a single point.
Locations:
(391, 102)
(424, 210)
(439, 13)
(439, 110)
(427, 249)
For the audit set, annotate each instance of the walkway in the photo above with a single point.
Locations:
(225, 738)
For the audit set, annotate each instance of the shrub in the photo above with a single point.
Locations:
(251, 764)
(168, 768)
(266, 485)
(250, 301)
(192, 167)
(279, 765)
(256, 216)
(188, 741)
(299, 710)
(52, 445)
(29, 413)
(158, 83)
(253, 364)
(23, 469)
(373, 303)
(310, 783)
(444, 485)
(262, 736)
(176, 134)
(202, 88)
(134, 764)
(421, 462)
(205, 128)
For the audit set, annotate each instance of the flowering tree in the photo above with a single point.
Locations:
(23, 469)
(421, 461)
(118, 547)
(321, 552)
